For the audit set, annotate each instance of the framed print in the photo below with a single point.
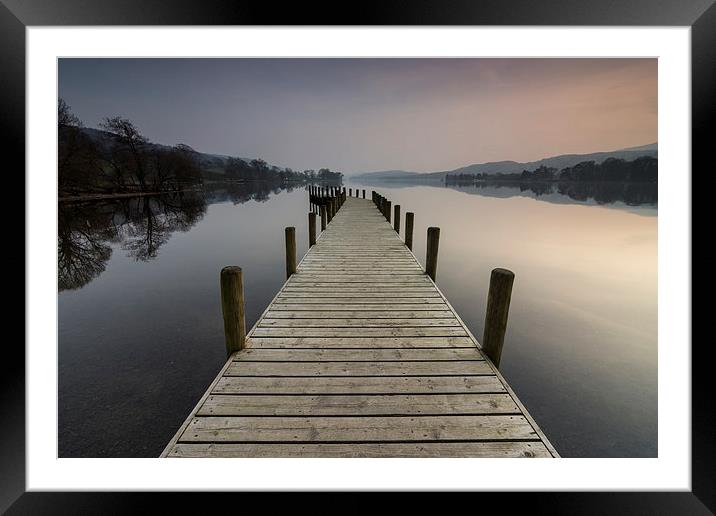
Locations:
(294, 251)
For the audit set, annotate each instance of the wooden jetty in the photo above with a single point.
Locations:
(359, 355)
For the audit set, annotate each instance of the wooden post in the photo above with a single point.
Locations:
(323, 217)
(363, 193)
(498, 306)
(350, 192)
(232, 306)
(290, 251)
(396, 218)
(387, 211)
(311, 230)
(431, 256)
(329, 210)
(409, 218)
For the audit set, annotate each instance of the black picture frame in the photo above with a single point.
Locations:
(16, 15)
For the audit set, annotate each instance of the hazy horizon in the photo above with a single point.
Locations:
(363, 115)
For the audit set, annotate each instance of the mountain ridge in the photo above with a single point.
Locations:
(507, 166)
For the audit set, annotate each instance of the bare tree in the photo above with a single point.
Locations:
(129, 136)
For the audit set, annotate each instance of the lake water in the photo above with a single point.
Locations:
(141, 334)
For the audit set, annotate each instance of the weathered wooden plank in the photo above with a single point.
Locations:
(360, 355)
(358, 314)
(424, 368)
(358, 405)
(256, 341)
(416, 277)
(360, 289)
(498, 449)
(355, 308)
(307, 298)
(356, 429)
(362, 385)
(359, 323)
(450, 331)
(358, 298)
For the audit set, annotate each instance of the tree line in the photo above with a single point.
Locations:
(123, 160)
(120, 159)
(640, 170)
(258, 169)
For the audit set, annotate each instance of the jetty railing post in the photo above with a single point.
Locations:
(431, 256)
(396, 218)
(387, 211)
(350, 192)
(323, 217)
(409, 219)
(311, 229)
(232, 308)
(498, 307)
(363, 193)
(329, 209)
(290, 251)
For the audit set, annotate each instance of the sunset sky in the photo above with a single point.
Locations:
(356, 115)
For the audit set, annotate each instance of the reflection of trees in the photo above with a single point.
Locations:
(239, 193)
(82, 250)
(152, 220)
(605, 192)
(140, 224)
(632, 194)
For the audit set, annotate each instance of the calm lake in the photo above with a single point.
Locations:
(141, 332)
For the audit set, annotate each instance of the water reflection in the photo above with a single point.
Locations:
(581, 345)
(241, 192)
(631, 194)
(601, 193)
(141, 225)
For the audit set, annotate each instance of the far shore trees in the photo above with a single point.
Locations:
(640, 170)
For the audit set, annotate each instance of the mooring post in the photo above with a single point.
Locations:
(311, 229)
(290, 251)
(323, 217)
(350, 192)
(329, 209)
(431, 256)
(498, 307)
(363, 193)
(232, 307)
(396, 218)
(409, 216)
(387, 211)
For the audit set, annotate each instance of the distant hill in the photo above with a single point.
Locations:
(512, 167)
(211, 164)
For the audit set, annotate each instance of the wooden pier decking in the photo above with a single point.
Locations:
(359, 355)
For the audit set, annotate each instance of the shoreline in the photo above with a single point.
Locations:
(99, 197)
